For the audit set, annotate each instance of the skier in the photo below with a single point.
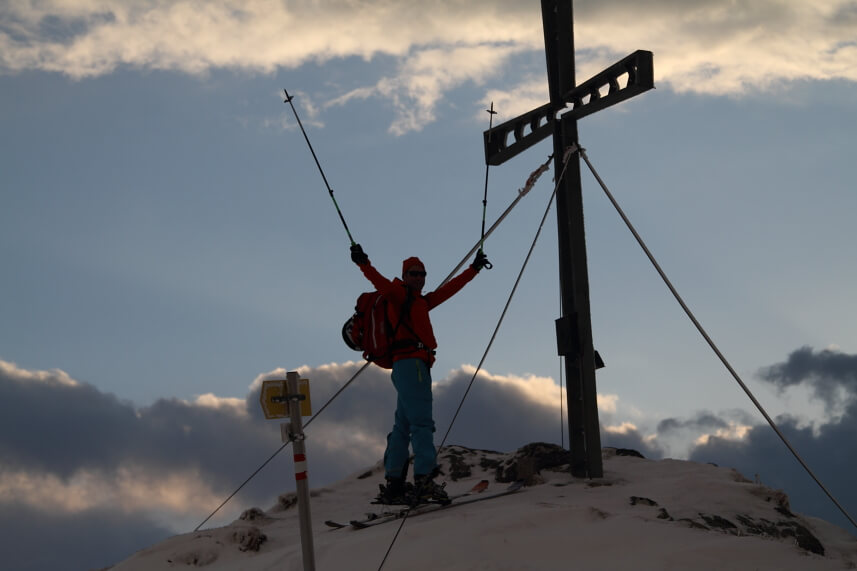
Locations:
(414, 347)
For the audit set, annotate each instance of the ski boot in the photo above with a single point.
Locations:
(426, 490)
(396, 492)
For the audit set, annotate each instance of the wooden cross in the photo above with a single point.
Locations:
(626, 78)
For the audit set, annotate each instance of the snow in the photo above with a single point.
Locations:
(642, 514)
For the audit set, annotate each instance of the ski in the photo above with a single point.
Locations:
(479, 487)
(459, 500)
(369, 517)
(476, 489)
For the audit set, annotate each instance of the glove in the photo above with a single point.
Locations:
(358, 256)
(481, 261)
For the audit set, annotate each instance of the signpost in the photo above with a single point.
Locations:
(290, 397)
(275, 402)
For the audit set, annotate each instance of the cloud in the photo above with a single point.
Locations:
(75, 456)
(711, 47)
(826, 447)
(86, 39)
(829, 373)
(827, 450)
(422, 78)
(39, 540)
(730, 425)
(504, 412)
(70, 449)
(115, 477)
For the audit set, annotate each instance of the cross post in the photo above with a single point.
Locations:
(626, 78)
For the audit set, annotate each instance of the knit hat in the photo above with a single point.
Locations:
(410, 262)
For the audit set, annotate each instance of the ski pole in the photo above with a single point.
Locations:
(311, 150)
(491, 114)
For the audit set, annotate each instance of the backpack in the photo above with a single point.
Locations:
(369, 330)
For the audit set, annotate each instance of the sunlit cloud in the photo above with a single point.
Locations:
(235, 405)
(624, 428)
(541, 390)
(715, 47)
(54, 376)
(130, 488)
(734, 431)
(608, 403)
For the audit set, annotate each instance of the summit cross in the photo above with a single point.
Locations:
(626, 78)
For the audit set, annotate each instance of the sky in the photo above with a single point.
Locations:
(167, 241)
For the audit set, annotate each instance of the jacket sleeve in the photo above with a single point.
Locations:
(450, 288)
(381, 283)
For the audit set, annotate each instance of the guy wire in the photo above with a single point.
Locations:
(710, 341)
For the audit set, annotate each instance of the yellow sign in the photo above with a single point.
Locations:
(274, 403)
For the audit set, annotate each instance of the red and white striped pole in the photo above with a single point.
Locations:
(300, 467)
(296, 434)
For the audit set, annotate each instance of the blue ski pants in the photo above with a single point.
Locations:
(414, 423)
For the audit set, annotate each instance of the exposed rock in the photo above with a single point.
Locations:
(717, 522)
(253, 514)
(195, 558)
(249, 538)
(636, 500)
(780, 530)
(528, 461)
(286, 501)
(693, 524)
(458, 466)
(204, 551)
(628, 452)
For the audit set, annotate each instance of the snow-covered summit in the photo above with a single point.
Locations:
(643, 514)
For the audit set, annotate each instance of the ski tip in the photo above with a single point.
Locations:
(515, 486)
(481, 486)
(334, 524)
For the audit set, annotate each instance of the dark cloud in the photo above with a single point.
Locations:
(702, 423)
(826, 372)
(61, 428)
(505, 416)
(705, 421)
(634, 440)
(828, 448)
(57, 426)
(35, 540)
(53, 429)
(494, 416)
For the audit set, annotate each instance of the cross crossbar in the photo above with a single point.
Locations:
(588, 97)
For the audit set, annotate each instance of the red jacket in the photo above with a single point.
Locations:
(415, 328)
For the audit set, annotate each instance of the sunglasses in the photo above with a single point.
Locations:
(416, 274)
